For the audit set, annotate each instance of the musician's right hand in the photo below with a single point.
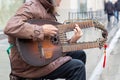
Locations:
(77, 34)
(49, 30)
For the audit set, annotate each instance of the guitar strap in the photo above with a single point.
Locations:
(9, 48)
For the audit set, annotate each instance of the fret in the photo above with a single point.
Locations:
(79, 46)
(70, 27)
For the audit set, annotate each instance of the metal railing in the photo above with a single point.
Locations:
(76, 16)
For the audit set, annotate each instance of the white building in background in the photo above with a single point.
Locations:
(95, 5)
(77, 6)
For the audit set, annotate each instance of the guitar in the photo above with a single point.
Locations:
(41, 53)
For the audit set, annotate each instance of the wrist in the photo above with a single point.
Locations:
(72, 41)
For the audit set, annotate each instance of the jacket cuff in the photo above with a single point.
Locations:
(38, 33)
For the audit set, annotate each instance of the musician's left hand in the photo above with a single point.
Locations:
(77, 34)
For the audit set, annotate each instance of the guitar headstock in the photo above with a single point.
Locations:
(99, 25)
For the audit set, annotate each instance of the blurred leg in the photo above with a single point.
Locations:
(72, 70)
(109, 17)
(81, 55)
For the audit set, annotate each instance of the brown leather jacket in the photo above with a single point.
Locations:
(17, 26)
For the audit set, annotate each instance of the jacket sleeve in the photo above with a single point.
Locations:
(18, 26)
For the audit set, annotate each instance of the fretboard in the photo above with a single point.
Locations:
(79, 46)
(69, 27)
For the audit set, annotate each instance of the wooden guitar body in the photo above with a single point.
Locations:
(40, 53)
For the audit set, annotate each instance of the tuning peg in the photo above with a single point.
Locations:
(105, 34)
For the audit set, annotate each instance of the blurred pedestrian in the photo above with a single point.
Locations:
(117, 9)
(109, 9)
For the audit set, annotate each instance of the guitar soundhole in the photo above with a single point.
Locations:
(55, 40)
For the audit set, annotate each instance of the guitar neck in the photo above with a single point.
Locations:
(71, 26)
(79, 46)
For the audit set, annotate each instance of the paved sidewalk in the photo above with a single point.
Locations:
(112, 71)
(4, 60)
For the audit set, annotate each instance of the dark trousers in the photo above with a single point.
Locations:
(109, 16)
(117, 15)
(72, 70)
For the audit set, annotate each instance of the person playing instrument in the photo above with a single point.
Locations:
(69, 67)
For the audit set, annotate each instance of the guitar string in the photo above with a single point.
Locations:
(63, 38)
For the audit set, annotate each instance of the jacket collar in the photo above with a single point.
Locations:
(46, 4)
